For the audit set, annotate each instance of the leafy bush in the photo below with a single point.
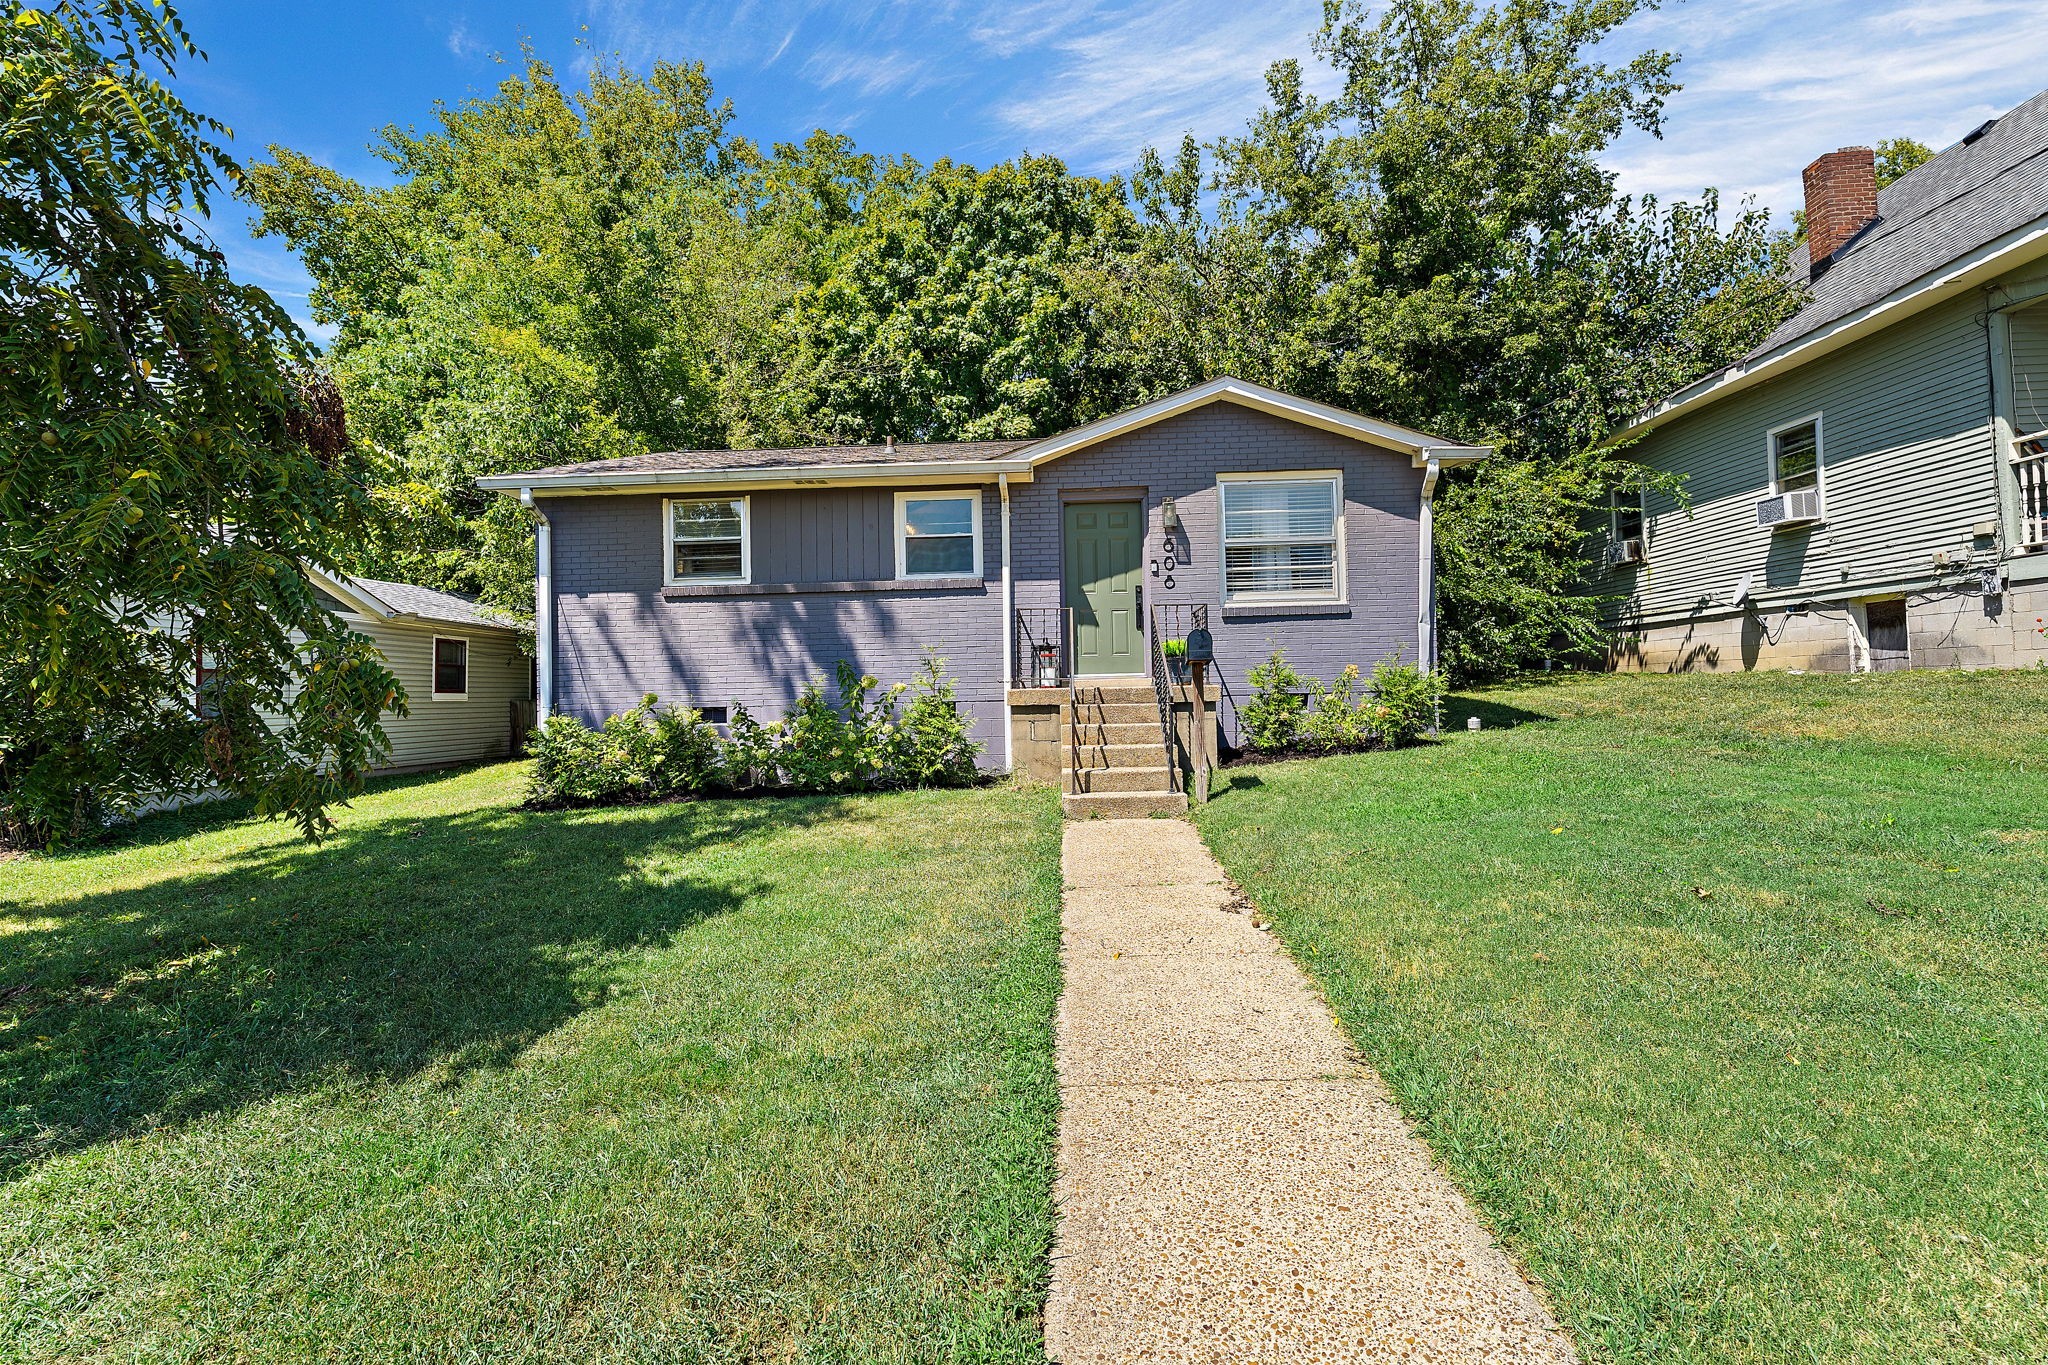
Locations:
(932, 748)
(1334, 718)
(654, 753)
(1396, 707)
(1404, 702)
(650, 753)
(1268, 722)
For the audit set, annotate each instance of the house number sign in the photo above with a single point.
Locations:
(1164, 566)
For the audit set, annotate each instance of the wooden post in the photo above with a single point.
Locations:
(1201, 729)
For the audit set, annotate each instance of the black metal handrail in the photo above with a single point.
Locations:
(1171, 621)
(1044, 647)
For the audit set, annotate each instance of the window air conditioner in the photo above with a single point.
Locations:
(1629, 551)
(1789, 509)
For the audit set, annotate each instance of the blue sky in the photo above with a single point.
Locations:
(1769, 85)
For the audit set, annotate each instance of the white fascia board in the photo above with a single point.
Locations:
(899, 474)
(362, 599)
(1415, 444)
(1959, 277)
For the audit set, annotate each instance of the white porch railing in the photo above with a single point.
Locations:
(2030, 471)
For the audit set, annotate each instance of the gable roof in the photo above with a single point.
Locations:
(383, 600)
(1943, 228)
(976, 460)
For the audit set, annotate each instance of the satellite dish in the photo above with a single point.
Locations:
(1741, 593)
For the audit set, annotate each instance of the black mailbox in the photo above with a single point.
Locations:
(1201, 647)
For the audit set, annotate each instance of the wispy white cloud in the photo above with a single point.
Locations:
(1120, 80)
(1768, 87)
(463, 45)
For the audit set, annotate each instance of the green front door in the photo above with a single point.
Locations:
(1105, 544)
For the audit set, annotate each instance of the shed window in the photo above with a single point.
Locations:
(451, 668)
(1795, 457)
(1281, 538)
(708, 540)
(938, 535)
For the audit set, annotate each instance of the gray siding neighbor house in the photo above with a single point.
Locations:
(719, 577)
(1869, 488)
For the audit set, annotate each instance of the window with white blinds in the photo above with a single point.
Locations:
(1281, 540)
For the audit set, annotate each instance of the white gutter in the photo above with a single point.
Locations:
(1009, 635)
(1425, 628)
(543, 607)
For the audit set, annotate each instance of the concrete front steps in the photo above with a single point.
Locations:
(1120, 767)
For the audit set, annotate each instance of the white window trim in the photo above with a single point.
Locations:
(668, 540)
(434, 669)
(1820, 457)
(1340, 594)
(902, 532)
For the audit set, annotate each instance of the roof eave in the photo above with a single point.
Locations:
(1415, 444)
(1970, 271)
(779, 476)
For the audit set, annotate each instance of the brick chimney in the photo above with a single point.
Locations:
(1841, 197)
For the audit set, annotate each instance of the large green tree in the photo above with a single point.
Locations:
(169, 462)
(1439, 243)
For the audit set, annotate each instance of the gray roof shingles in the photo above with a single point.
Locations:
(797, 457)
(1967, 197)
(409, 599)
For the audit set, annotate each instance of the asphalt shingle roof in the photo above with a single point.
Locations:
(795, 457)
(409, 599)
(1967, 197)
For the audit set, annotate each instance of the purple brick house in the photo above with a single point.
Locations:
(715, 577)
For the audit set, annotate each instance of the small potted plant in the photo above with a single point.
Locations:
(1176, 652)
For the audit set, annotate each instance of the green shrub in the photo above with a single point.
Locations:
(568, 765)
(932, 748)
(1396, 708)
(1269, 721)
(650, 753)
(656, 753)
(749, 751)
(1334, 718)
(1404, 702)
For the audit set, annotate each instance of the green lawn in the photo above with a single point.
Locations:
(1726, 998)
(756, 1080)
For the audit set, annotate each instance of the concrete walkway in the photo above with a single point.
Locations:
(1233, 1184)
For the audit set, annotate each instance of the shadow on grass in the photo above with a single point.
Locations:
(449, 943)
(1493, 715)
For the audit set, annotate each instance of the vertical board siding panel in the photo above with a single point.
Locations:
(2029, 349)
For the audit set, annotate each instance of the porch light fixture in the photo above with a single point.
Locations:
(1169, 516)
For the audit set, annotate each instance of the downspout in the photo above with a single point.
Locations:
(1425, 617)
(1009, 630)
(543, 608)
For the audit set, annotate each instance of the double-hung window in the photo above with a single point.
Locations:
(938, 535)
(1795, 457)
(707, 541)
(1282, 537)
(451, 668)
